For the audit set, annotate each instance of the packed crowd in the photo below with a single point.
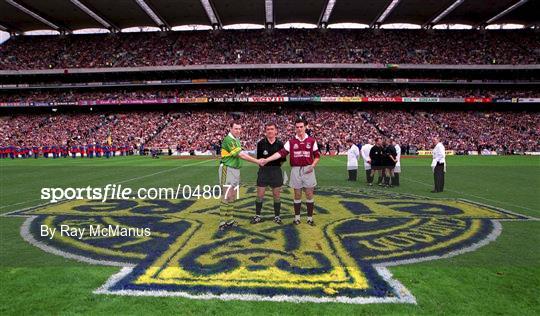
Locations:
(334, 127)
(275, 46)
(462, 130)
(201, 130)
(306, 90)
(31, 130)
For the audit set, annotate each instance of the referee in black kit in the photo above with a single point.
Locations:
(376, 158)
(390, 154)
(269, 175)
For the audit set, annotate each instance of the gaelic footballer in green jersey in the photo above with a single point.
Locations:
(229, 173)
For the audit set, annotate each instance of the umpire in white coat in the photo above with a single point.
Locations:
(397, 168)
(438, 165)
(366, 148)
(353, 153)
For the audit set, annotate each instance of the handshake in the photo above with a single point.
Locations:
(263, 161)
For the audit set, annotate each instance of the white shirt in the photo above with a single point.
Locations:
(365, 155)
(352, 157)
(397, 168)
(438, 156)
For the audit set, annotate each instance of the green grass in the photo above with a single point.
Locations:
(500, 278)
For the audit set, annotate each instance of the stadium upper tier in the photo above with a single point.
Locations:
(271, 47)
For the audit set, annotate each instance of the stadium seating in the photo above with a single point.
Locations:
(493, 130)
(276, 46)
(67, 95)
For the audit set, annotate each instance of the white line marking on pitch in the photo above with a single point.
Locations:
(402, 294)
(124, 181)
(475, 196)
(462, 193)
(164, 171)
(1, 207)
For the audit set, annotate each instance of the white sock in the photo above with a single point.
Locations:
(310, 218)
(296, 217)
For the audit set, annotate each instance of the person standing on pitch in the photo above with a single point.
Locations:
(352, 160)
(438, 165)
(229, 173)
(376, 158)
(397, 168)
(366, 148)
(304, 156)
(269, 175)
(389, 163)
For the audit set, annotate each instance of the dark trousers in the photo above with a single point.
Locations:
(438, 176)
(368, 176)
(353, 174)
(395, 180)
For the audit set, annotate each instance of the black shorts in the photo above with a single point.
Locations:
(376, 167)
(270, 176)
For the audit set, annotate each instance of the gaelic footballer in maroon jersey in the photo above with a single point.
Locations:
(304, 156)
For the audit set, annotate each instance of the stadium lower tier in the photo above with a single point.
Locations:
(200, 130)
(270, 93)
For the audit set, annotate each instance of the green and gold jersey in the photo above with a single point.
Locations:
(230, 148)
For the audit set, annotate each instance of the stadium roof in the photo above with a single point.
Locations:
(69, 15)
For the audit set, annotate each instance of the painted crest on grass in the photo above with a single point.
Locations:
(173, 247)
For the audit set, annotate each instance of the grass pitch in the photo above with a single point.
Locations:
(500, 278)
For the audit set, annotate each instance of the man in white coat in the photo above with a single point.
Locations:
(438, 165)
(353, 153)
(366, 148)
(397, 168)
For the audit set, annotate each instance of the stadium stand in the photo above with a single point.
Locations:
(271, 47)
(514, 132)
(239, 91)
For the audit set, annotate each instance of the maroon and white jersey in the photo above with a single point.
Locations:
(303, 151)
